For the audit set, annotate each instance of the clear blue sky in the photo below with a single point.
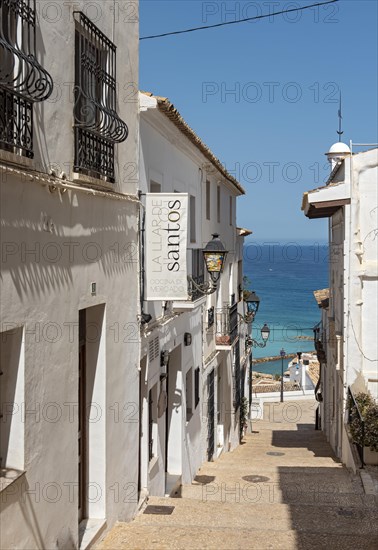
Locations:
(273, 131)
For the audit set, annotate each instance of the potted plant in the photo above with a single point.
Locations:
(365, 433)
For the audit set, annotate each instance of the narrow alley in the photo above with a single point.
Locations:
(282, 488)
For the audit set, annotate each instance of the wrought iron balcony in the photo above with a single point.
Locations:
(97, 124)
(226, 325)
(320, 342)
(23, 80)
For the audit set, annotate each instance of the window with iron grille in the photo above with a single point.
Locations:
(196, 387)
(97, 126)
(197, 272)
(23, 80)
(152, 423)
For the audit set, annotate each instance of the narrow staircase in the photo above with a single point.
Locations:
(281, 489)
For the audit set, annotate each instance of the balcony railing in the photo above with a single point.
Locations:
(23, 80)
(193, 292)
(226, 323)
(97, 125)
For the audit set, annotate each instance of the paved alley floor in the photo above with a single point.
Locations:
(281, 489)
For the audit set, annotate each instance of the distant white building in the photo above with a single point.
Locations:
(69, 277)
(190, 407)
(300, 371)
(347, 339)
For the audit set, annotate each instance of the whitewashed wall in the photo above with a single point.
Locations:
(353, 306)
(56, 245)
(169, 159)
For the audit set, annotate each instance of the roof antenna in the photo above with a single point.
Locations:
(340, 119)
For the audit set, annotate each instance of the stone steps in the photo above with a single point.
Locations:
(271, 494)
(345, 520)
(305, 500)
(143, 536)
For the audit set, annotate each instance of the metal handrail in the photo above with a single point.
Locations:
(360, 447)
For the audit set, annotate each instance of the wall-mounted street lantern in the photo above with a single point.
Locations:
(214, 255)
(251, 342)
(164, 360)
(252, 304)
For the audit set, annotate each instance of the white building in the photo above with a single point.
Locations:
(192, 415)
(299, 371)
(69, 295)
(347, 340)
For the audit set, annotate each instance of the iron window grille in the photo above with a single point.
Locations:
(97, 126)
(23, 80)
(198, 275)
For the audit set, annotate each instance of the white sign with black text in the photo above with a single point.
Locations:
(166, 228)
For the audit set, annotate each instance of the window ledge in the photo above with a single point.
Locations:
(78, 177)
(14, 159)
(9, 476)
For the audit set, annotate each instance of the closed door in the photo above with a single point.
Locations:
(82, 446)
(210, 416)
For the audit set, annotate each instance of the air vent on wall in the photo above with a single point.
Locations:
(153, 348)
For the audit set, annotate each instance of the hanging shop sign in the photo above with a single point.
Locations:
(166, 228)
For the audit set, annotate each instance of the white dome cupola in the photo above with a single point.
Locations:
(338, 152)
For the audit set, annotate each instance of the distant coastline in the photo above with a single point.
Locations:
(277, 357)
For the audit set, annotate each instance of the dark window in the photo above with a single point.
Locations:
(189, 394)
(210, 317)
(218, 204)
(208, 203)
(192, 218)
(196, 386)
(97, 125)
(197, 272)
(155, 187)
(150, 427)
(23, 81)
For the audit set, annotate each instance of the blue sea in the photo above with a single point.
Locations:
(284, 276)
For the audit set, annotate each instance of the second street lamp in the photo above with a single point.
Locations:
(252, 343)
(252, 301)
